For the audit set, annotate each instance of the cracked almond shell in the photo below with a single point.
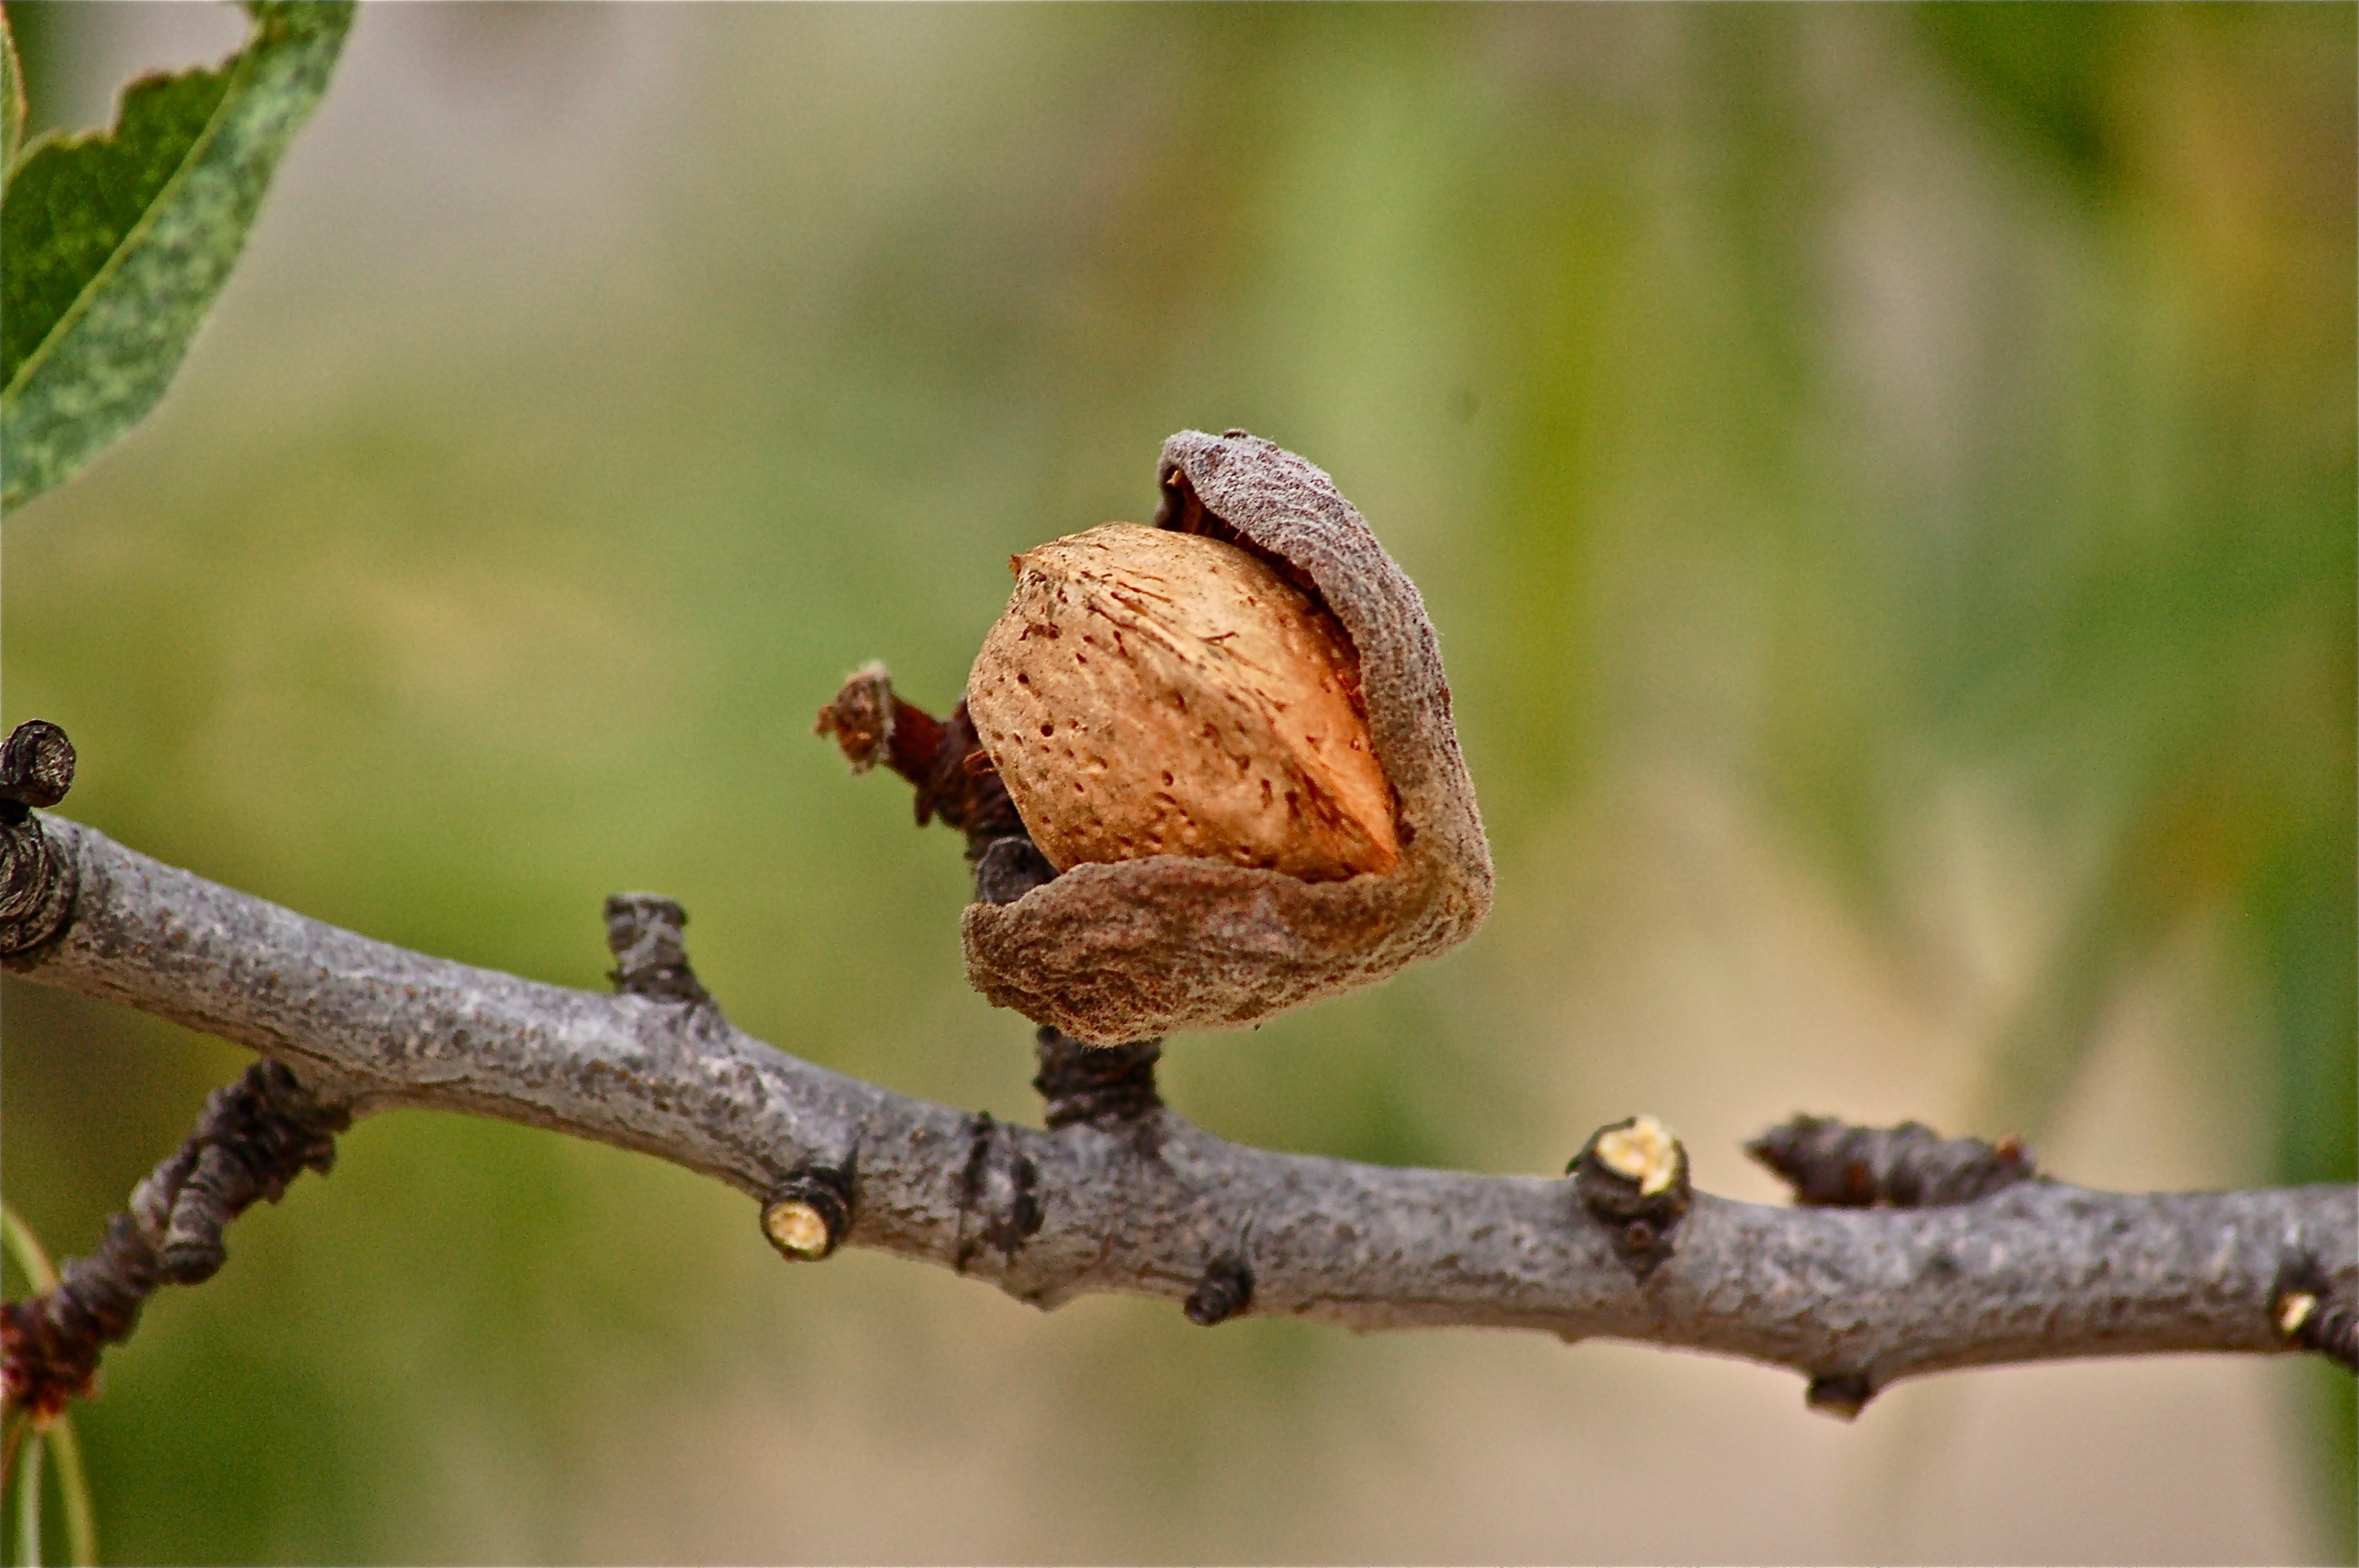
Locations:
(1151, 692)
(1129, 948)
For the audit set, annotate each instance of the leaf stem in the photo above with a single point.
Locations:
(29, 1504)
(27, 1248)
(73, 1480)
(73, 1492)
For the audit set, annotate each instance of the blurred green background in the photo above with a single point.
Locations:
(1884, 478)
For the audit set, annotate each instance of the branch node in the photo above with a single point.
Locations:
(1830, 1163)
(1632, 1176)
(36, 878)
(255, 1136)
(1001, 1181)
(1100, 1085)
(1840, 1394)
(1226, 1290)
(807, 1216)
(644, 933)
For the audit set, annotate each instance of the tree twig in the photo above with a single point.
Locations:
(1853, 1299)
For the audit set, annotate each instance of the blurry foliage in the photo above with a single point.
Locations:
(1882, 414)
(118, 243)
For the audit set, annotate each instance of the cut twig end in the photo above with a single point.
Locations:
(805, 1218)
(1642, 1150)
(1631, 1177)
(2312, 1310)
(797, 1229)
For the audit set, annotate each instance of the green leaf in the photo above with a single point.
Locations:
(12, 96)
(116, 245)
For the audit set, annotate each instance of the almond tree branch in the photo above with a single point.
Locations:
(1120, 1193)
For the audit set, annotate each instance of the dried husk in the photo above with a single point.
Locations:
(1136, 948)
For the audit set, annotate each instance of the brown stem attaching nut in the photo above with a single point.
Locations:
(1234, 738)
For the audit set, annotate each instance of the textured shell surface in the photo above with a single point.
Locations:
(1150, 692)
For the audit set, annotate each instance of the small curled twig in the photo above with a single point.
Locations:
(255, 1136)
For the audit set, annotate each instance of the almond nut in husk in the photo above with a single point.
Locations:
(1155, 693)
(1204, 904)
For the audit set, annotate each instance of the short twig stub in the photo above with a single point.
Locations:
(2311, 1308)
(1832, 1164)
(644, 931)
(37, 768)
(1841, 1395)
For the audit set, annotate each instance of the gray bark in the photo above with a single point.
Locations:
(1852, 1298)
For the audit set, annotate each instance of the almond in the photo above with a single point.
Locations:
(1150, 692)
(1263, 600)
